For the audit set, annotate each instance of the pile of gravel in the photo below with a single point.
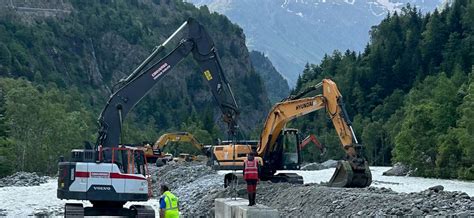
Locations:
(23, 179)
(316, 200)
(179, 174)
(195, 184)
(197, 198)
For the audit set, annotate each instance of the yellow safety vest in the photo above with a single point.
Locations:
(171, 210)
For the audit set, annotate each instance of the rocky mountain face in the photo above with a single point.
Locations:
(90, 46)
(276, 86)
(294, 32)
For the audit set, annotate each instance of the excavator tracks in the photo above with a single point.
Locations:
(292, 178)
(143, 211)
(73, 210)
(139, 211)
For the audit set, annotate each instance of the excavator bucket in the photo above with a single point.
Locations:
(346, 176)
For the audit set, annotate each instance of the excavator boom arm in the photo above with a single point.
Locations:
(336, 111)
(340, 119)
(281, 114)
(139, 83)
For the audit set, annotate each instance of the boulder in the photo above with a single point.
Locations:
(313, 166)
(437, 188)
(398, 169)
(329, 163)
(320, 166)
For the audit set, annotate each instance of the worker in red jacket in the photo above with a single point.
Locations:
(251, 168)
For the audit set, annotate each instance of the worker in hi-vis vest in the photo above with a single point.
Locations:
(168, 203)
(251, 168)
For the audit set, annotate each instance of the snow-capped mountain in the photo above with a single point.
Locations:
(294, 32)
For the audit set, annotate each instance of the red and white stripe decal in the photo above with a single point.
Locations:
(82, 174)
(112, 175)
(125, 176)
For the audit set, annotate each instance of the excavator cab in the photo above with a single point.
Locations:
(286, 155)
(129, 160)
(291, 158)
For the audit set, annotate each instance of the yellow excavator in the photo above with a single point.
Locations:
(177, 137)
(156, 152)
(279, 148)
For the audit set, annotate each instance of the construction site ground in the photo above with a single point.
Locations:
(197, 186)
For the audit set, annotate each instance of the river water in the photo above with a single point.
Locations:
(405, 184)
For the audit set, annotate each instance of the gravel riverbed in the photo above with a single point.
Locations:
(197, 186)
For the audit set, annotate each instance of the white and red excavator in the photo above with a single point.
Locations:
(109, 174)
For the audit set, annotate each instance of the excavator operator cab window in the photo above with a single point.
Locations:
(130, 161)
(139, 162)
(290, 149)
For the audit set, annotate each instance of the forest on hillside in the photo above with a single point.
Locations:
(410, 93)
(57, 73)
(276, 86)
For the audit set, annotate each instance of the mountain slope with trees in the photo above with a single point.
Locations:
(294, 32)
(410, 93)
(58, 69)
(275, 85)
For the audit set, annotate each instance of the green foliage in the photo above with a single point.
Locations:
(426, 140)
(408, 90)
(72, 62)
(465, 134)
(44, 123)
(136, 134)
(275, 84)
(416, 138)
(3, 124)
(5, 57)
(6, 157)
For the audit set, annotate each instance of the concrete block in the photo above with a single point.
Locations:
(238, 208)
(257, 211)
(226, 207)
